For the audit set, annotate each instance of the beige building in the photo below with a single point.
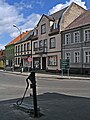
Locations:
(46, 37)
(23, 51)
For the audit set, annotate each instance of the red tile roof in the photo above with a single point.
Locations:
(17, 38)
(83, 19)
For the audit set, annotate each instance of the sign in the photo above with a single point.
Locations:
(30, 59)
(65, 64)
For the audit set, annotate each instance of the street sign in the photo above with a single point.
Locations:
(65, 64)
(30, 59)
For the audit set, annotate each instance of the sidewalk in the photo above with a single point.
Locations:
(53, 106)
(47, 75)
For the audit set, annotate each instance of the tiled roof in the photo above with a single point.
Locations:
(17, 38)
(83, 19)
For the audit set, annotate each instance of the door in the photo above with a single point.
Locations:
(43, 63)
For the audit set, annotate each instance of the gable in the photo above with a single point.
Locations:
(72, 12)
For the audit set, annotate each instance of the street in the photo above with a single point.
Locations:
(13, 86)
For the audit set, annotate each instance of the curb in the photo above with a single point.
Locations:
(48, 76)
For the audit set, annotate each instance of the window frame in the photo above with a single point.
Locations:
(52, 43)
(69, 39)
(76, 37)
(40, 44)
(28, 46)
(53, 61)
(35, 47)
(88, 57)
(77, 57)
(43, 30)
(68, 57)
(88, 39)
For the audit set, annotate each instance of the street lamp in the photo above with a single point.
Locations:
(19, 29)
(21, 51)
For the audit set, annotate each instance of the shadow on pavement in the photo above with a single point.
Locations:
(54, 106)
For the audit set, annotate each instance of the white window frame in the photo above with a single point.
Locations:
(67, 39)
(52, 43)
(76, 36)
(55, 25)
(88, 35)
(68, 56)
(77, 57)
(88, 56)
(52, 60)
(43, 28)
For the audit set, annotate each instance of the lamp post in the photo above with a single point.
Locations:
(21, 51)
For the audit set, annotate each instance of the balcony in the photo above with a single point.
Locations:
(54, 29)
(54, 32)
(41, 50)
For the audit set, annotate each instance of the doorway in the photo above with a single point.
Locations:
(43, 63)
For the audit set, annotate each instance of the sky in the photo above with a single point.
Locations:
(25, 14)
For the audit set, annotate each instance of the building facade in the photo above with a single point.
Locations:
(46, 47)
(9, 51)
(2, 59)
(43, 43)
(76, 44)
(23, 52)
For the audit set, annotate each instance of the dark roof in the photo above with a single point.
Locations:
(58, 14)
(55, 16)
(83, 19)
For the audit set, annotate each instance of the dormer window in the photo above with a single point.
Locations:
(35, 32)
(55, 26)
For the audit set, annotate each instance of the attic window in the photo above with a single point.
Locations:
(55, 26)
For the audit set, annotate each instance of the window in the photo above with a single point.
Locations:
(45, 43)
(21, 48)
(67, 56)
(87, 57)
(52, 43)
(18, 61)
(87, 35)
(40, 44)
(28, 46)
(67, 39)
(35, 32)
(76, 37)
(24, 47)
(52, 60)
(43, 28)
(35, 46)
(18, 48)
(76, 57)
(55, 26)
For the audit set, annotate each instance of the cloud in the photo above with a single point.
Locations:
(11, 15)
(23, 4)
(8, 16)
(29, 23)
(61, 6)
(2, 47)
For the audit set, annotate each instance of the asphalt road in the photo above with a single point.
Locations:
(13, 86)
(52, 99)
